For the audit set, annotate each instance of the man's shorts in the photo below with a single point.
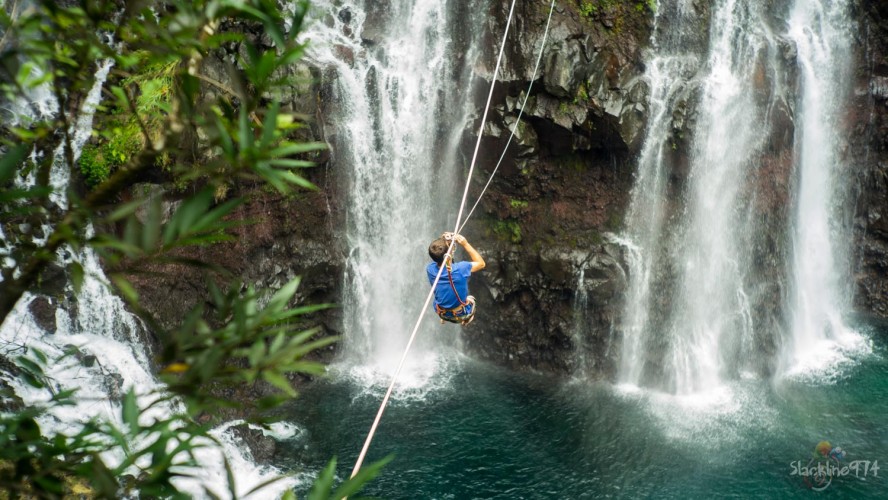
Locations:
(464, 314)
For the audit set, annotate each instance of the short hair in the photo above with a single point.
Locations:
(438, 249)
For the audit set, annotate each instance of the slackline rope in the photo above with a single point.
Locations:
(462, 206)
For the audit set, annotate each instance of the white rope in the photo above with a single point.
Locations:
(462, 205)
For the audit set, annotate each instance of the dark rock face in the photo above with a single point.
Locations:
(288, 236)
(291, 236)
(563, 185)
(261, 446)
(9, 401)
(43, 312)
(589, 81)
(869, 153)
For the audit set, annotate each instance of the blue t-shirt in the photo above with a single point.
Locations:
(444, 296)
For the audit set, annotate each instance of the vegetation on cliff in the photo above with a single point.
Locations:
(156, 118)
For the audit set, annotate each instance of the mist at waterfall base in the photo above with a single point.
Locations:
(491, 433)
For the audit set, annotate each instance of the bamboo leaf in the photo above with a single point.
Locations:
(265, 484)
(125, 210)
(129, 293)
(301, 181)
(206, 222)
(12, 160)
(308, 367)
(323, 485)
(280, 299)
(151, 230)
(257, 351)
(296, 148)
(76, 276)
(187, 213)
(114, 244)
(364, 475)
(130, 412)
(245, 134)
(269, 126)
(225, 139)
(279, 381)
(287, 162)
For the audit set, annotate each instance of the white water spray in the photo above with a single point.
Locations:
(690, 318)
(668, 75)
(821, 294)
(397, 117)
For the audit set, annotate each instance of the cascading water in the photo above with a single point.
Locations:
(96, 349)
(398, 116)
(580, 304)
(710, 197)
(694, 233)
(668, 74)
(710, 325)
(821, 32)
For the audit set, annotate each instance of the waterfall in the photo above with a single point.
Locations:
(695, 313)
(668, 74)
(97, 351)
(822, 34)
(400, 106)
(709, 324)
(690, 232)
(579, 327)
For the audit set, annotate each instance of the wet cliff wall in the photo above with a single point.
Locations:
(562, 187)
(552, 291)
(868, 150)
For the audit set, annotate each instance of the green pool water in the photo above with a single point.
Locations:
(488, 433)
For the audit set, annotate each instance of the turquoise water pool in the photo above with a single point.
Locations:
(489, 433)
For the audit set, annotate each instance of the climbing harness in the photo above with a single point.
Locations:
(465, 313)
(462, 315)
(459, 219)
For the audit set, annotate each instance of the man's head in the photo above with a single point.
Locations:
(438, 249)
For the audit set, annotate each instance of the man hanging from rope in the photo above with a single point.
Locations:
(452, 300)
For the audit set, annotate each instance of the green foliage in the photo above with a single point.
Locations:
(124, 132)
(92, 165)
(616, 11)
(517, 204)
(614, 221)
(588, 8)
(275, 347)
(582, 96)
(157, 110)
(591, 8)
(323, 487)
(266, 340)
(120, 144)
(507, 230)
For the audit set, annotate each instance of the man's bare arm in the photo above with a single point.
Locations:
(477, 261)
